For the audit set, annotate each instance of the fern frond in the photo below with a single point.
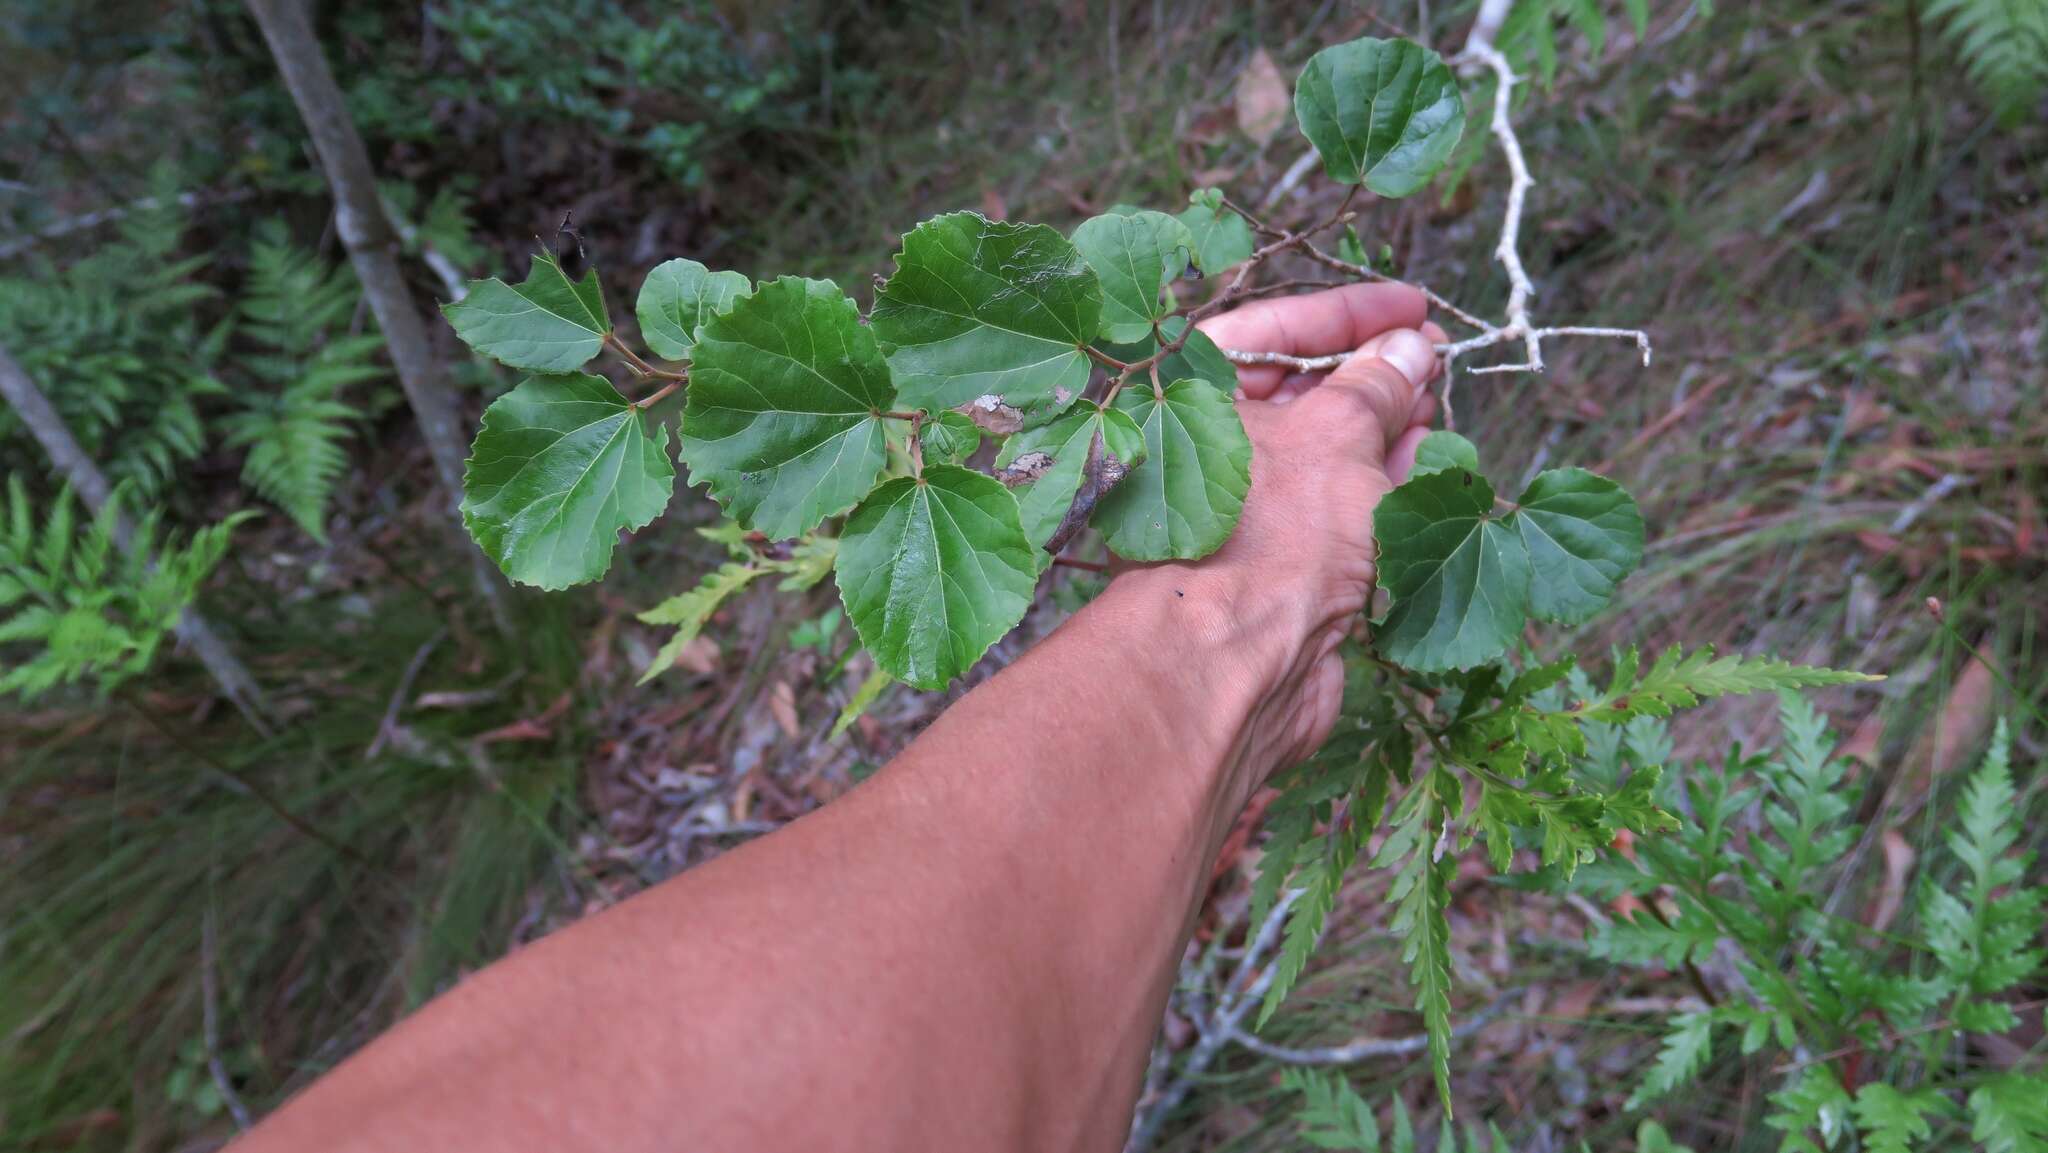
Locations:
(1421, 897)
(2004, 46)
(1680, 1057)
(1896, 1122)
(1332, 1115)
(1679, 680)
(294, 313)
(1811, 1101)
(2009, 1113)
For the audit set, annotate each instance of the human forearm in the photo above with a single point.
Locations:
(971, 950)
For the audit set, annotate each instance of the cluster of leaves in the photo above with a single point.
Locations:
(83, 603)
(799, 411)
(2004, 45)
(1750, 870)
(1334, 1116)
(118, 343)
(121, 344)
(674, 83)
(294, 317)
(1505, 754)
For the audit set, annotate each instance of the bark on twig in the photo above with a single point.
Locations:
(85, 478)
(1246, 987)
(366, 232)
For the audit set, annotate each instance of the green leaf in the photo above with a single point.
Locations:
(679, 295)
(1321, 879)
(949, 438)
(562, 464)
(1047, 501)
(1134, 255)
(782, 419)
(1384, 113)
(1680, 680)
(1442, 450)
(1421, 897)
(1222, 238)
(1183, 501)
(1811, 1100)
(689, 610)
(1679, 1059)
(547, 324)
(933, 570)
(1895, 1122)
(2009, 1113)
(1638, 15)
(1583, 534)
(1458, 579)
(980, 307)
(1332, 1114)
(863, 698)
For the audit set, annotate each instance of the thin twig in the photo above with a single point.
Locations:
(1364, 1049)
(1479, 54)
(389, 725)
(209, 1007)
(1249, 983)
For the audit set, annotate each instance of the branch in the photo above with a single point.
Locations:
(209, 1006)
(1479, 54)
(1221, 1026)
(1365, 1048)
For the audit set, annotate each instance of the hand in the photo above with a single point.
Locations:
(1325, 449)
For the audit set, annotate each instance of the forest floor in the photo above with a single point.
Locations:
(1840, 260)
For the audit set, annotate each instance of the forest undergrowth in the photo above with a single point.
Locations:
(1841, 455)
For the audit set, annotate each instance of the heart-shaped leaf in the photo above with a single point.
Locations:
(548, 323)
(933, 570)
(1458, 579)
(678, 296)
(1134, 255)
(782, 423)
(561, 465)
(1443, 449)
(1383, 113)
(949, 438)
(1066, 443)
(1222, 238)
(1183, 500)
(980, 307)
(1583, 534)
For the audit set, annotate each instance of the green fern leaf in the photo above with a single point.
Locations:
(1813, 1101)
(1679, 1059)
(2004, 46)
(1333, 1115)
(1896, 1122)
(2009, 1113)
(1421, 898)
(1679, 680)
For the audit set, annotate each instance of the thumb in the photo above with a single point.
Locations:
(1384, 378)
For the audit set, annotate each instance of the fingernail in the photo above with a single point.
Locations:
(1412, 353)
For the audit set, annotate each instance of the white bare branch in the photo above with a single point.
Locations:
(1478, 56)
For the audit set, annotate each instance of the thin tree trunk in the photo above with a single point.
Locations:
(373, 247)
(87, 481)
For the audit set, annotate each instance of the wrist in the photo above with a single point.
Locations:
(1214, 654)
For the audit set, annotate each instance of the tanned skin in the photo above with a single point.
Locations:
(972, 949)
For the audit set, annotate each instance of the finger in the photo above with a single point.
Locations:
(1401, 457)
(1382, 386)
(1315, 324)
